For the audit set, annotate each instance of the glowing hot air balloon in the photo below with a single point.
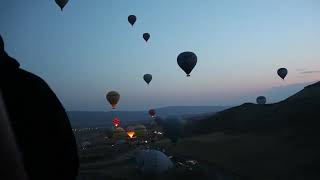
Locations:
(131, 134)
(116, 122)
(113, 98)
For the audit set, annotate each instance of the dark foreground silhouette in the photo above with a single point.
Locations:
(39, 122)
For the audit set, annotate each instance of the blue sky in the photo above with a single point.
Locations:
(90, 48)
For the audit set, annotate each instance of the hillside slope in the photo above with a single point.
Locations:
(273, 141)
(300, 112)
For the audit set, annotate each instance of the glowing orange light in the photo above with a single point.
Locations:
(131, 134)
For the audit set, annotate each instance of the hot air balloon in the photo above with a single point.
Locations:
(131, 134)
(140, 130)
(152, 112)
(172, 128)
(119, 133)
(153, 162)
(132, 19)
(147, 78)
(282, 72)
(61, 3)
(261, 100)
(113, 98)
(116, 122)
(187, 61)
(146, 36)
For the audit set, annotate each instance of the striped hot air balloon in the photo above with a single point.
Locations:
(113, 98)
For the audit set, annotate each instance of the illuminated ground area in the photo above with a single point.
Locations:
(104, 160)
(253, 156)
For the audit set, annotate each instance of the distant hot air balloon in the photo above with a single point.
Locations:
(152, 112)
(146, 36)
(187, 61)
(113, 98)
(119, 133)
(131, 134)
(116, 122)
(173, 128)
(61, 3)
(140, 130)
(132, 19)
(261, 100)
(147, 78)
(282, 72)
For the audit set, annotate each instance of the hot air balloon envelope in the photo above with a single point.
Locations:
(140, 130)
(173, 128)
(187, 61)
(116, 122)
(282, 72)
(261, 100)
(131, 134)
(153, 162)
(147, 78)
(113, 98)
(146, 36)
(61, 3)
(132, 19)
(119, 133)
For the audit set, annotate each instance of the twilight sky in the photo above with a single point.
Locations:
(90, 49)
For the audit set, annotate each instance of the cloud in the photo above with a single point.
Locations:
(310, 72)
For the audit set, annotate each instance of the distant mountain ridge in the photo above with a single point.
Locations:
(300, 113)
(83, 119)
